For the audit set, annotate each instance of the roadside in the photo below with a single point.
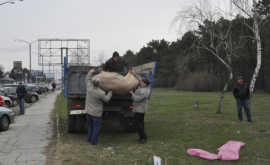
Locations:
(16, 109)
(173, 126)
(26, 140)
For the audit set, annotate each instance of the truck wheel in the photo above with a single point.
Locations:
(71, 124)
(125, 124)
(80, 123)
(133, 128)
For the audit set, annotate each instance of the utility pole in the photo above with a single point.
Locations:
(29, 52)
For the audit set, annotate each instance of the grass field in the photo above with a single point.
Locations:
(173, 125)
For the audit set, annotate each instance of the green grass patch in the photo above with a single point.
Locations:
(174, 125)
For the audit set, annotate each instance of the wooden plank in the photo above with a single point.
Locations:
(145, 68)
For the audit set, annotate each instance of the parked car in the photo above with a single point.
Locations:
(2, 103)
(13, 98)
(45, 88)
(42, 88)
(7, 101)
(6, 118)
(31, 96)
(35, 88)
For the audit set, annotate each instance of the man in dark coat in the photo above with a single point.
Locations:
(21, 92)
(54, 85)
(241, 93)
(116, 64)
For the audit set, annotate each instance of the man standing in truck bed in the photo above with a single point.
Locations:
(116, 64)
(94, 106)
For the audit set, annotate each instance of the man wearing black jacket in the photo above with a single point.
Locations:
(21, 92)
(241, 93)
(116, 64)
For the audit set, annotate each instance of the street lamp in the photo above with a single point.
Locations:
(10, 1)
(29, 52)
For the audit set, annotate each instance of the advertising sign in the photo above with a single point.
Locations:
(49, 75)
(17, 66)
(37, 73)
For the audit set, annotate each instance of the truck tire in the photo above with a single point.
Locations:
(71, 124)
(133, 128)
(80, 123)
(125, 124)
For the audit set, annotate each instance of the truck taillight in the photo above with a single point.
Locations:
(77, 106)
(131, 107)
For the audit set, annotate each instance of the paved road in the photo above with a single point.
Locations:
(25, 141)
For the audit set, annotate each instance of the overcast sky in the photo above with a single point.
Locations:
(111, 25)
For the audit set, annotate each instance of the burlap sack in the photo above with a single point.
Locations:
(110, 81)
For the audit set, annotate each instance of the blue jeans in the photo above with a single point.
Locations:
(93, 128)
(245, 104)
(21, 104)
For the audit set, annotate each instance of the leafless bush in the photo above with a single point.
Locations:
(199, 81)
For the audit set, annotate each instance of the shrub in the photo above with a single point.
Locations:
(199, 81)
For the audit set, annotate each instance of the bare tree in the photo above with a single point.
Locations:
(100, 59)
(2, 70)
(219, 38)
(79, 57)
(248, 8)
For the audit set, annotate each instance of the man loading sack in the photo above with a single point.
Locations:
(111, 81)
(116, 64)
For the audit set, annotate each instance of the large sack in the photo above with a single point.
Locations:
(110, 81)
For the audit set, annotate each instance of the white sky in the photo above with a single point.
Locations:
(111, 25)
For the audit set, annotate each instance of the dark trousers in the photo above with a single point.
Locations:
(21, 104)
(245, 104)
(139, 122)
(93, 128)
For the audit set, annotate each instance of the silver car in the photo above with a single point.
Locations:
(6, 118)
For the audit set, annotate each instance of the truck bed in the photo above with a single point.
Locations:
(75, 79)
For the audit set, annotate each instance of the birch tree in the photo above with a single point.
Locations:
(218, 40)
(248, 8)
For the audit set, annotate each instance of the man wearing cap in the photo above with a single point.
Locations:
(241, 93)
(94, 106)
(140, 99)
(116, 64)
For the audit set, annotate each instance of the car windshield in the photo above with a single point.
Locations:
(10, 90)
(2, 93)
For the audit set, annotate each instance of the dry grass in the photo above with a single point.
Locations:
(173, 125)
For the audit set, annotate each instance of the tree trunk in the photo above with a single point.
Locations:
(258, 40)
(268, 83)
(224, 91)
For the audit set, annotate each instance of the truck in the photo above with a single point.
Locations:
(118, 108)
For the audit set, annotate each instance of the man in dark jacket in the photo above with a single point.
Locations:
(241, 93)
(21, 92)
(116, 64)
(53, 86)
